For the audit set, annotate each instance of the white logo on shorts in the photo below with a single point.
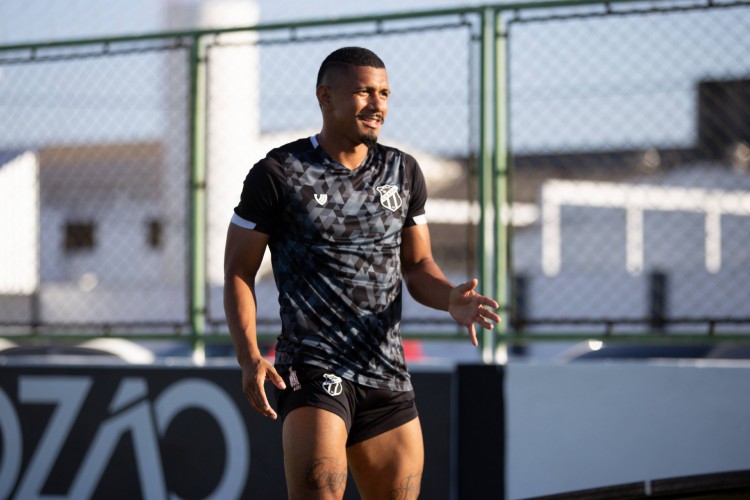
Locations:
(332, 384)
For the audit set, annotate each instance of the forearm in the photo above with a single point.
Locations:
(428, 285)
(240, 311)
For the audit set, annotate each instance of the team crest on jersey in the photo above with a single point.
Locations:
(389, 197)
(332, 384)
(321, 198)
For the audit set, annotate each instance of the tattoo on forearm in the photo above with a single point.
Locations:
(408, 488)
(326, 474)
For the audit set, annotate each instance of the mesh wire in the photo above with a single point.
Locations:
(629, 142)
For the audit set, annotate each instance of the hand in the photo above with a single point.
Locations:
(254, 375)
(467, 307)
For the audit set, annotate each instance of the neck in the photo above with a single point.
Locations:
(349, 155)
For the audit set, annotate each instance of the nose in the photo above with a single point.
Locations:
(377, 102)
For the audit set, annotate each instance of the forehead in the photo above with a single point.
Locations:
(362, 76)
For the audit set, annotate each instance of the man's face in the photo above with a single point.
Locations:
(357, 103)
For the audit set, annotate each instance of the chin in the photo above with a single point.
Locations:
(369, 139)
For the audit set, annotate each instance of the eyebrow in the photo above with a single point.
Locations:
(371, 88)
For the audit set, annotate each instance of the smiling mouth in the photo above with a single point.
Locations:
(371, 120)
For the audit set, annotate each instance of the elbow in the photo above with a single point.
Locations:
(237, 269)
(411, 274)
(232, 273)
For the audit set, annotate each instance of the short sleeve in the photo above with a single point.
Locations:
(261, 202)
(417, 195)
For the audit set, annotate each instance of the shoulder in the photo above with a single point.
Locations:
(297, 148)
(391, 154)
(273, 164)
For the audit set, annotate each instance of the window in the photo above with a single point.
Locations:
(79, 236)
(154, 233)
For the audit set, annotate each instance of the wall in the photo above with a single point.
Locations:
(123, 432)
(587, 425)
(19, 209)
(144, 431)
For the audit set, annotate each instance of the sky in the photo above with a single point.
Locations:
(624, 82)
(33, 20)
(25, 21)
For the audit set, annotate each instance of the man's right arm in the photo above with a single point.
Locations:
(242, 258)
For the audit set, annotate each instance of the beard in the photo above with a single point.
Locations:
(368, 136)
(369, 139)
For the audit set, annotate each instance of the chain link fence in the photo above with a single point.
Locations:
(271, 101)
(104, 132)
(629, 152)
(630, 131)
(98, 136)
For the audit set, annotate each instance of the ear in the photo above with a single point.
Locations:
(323, 93)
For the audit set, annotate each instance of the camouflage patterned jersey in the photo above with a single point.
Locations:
(335, 238)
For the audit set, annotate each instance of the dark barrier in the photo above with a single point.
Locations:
(106, 432)
(158, 432)
(480, 432)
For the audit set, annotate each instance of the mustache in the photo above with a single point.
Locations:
(378, 116)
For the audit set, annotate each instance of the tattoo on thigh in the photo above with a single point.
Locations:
(326, 474)
(408, 488)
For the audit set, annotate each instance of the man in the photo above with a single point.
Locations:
(344, 218)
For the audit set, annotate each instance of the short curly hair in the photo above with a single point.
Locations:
(346, 56)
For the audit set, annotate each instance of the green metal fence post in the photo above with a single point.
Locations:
(486, 150)
(501, 201)
(197, 222)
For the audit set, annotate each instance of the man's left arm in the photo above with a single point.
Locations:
(428, 285)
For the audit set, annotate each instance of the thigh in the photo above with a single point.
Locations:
(389, 465)
(315, 460)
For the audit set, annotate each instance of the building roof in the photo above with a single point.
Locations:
(8, 156)
(134, 168)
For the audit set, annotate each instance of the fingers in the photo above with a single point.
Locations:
(488, 302)
(264, 407)
(483, 316)
(488, 323)
(276, 379)
(472, 335)
(468, 286)
(469, 308)
(254, 379)
(486, 317)
(259, 401)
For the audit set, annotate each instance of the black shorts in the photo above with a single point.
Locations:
(366, 411)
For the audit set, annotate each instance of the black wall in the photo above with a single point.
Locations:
(149, 432)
